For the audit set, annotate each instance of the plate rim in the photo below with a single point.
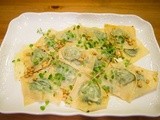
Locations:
(76, 13)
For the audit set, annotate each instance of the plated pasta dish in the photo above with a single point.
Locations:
(84, 66)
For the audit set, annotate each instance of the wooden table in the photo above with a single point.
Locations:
(146, 9)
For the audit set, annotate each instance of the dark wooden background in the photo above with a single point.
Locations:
(146, 9)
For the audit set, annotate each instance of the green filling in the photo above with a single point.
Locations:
(131, 52)
(96, 41)
(99, 66)
(90, 92)
(106, 88)
(71, 53)
(123, 76)
(41, 85)
(119, 35)
(67, 73)
(101, 36)
(109, 51)
(37, 56)
(50, 42)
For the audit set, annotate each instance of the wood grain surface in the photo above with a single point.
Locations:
(146, 9)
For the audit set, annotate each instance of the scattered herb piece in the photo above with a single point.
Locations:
(46, 102)
(31, 45)
(58, 78)
(78, 26)
(79, 74)
(70, 87)
(18, 60)
(127, 63)
(50, 77)
(13, 61)
(39, 31)
(43, 107)
(41, 75)
(106, 88)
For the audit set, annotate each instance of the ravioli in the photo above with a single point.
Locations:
(141, 51)
(83, 67)
(40, 88)
(82, 60)
(146, 81)
(87, 95)
(129, 82)
(31, 59)
(125, 40)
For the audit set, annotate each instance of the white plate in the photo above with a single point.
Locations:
(22, 31)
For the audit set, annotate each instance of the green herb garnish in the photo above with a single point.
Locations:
(39, 31)
(69, 36)
(31, 45)
(127, 63)
(58, 78)
(43, 107)
(106, 88)
(41, 75)
(78, 26)
(50, 77)
(70, 87)
(13, 61)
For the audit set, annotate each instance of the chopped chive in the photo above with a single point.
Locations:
(52, 53)
(40, 31)
(49, 31)
(78, 26)
(36, 63)
(87, 111)
(31, 45)
(50, 77)
(41, 75)
(42, 107)
(79, 42)
(73, 28)
(79, 74)
(54, 94)
(83, 35)
(70, 87)
(13, 61)
(46, 102)
(112, 76)
(106, 88)
(127, 63)
(105, 77)
(18, 60)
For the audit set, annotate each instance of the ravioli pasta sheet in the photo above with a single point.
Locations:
(84, 66)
